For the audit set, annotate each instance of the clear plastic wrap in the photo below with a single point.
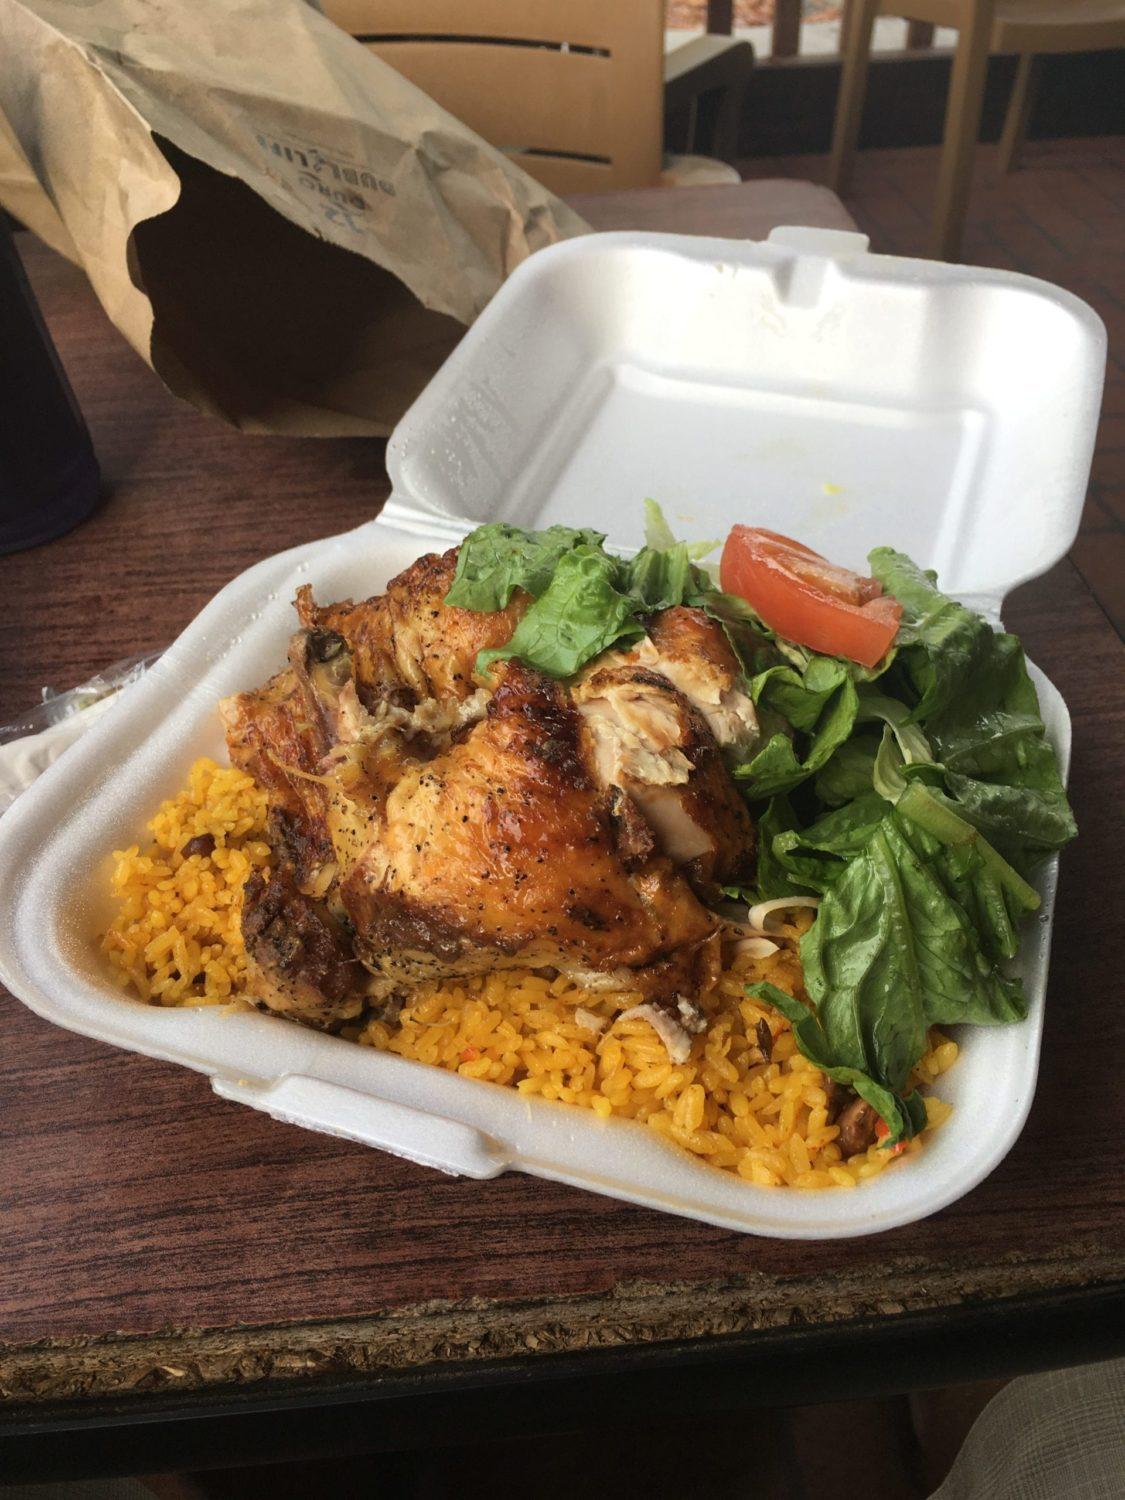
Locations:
(38, 737)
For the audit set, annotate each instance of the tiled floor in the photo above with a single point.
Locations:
(1060, 216)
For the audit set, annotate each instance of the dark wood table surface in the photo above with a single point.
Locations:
(163, 1253)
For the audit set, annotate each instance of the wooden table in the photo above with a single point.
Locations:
(168, 1255)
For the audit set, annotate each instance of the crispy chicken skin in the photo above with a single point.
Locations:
(409, 638)
(692, 652)
(426, 823)
(267, 734)
(506, 843)
(303, 961)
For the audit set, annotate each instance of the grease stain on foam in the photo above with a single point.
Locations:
(834, 504)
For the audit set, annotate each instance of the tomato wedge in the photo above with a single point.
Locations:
(807, 599)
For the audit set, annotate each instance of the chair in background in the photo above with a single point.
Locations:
(706, 79)
(1029, 28)
(572, 90)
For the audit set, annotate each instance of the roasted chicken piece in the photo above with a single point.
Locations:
(647, 739)
(428, 823)
(655, 717)
(692, 652)
(303, 961)
(505, 847)
(408, 642)
(270, 735)
(400, 663)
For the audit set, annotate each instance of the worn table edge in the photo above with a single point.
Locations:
(443, 1333)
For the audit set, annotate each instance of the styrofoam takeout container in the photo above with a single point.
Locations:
(844, 398)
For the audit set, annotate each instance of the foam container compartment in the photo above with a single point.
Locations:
(802, 384)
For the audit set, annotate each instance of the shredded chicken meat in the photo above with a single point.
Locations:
(428, 823)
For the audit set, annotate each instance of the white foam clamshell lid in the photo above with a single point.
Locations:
(802, 384)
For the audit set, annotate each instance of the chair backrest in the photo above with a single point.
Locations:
(571, 89)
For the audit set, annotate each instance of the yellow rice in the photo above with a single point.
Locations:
(177, 938)
(176, 941)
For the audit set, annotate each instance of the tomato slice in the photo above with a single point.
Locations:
(807, 599)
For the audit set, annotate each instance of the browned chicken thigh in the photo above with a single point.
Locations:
(505, 848)
(427, 822)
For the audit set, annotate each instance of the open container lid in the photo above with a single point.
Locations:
(801, 383)
(849, 399)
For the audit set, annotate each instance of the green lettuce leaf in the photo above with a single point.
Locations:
(974, 872)
(848, 772)
(938, 641)
(905, 1115)
(581, 613)
(994, 910)
(661, 579)
(773, 878)
(820, 702)
(998, 765)
(750, 638)
(659, 537)
(970, 688)
(875, 706)
(890, 954)
(497, 559)
(990, 889)
(812, 859)
(587, 600)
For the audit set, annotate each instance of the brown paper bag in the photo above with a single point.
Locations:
(289, 232)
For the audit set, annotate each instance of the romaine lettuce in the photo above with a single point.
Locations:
(584, 598)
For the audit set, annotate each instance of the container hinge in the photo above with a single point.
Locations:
(335, 1109)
